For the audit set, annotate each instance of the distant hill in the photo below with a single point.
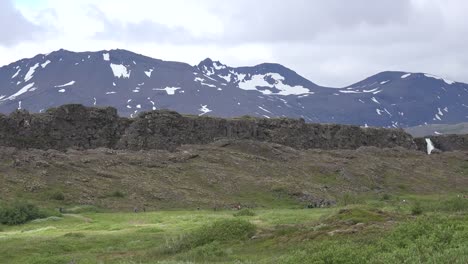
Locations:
(436, 129)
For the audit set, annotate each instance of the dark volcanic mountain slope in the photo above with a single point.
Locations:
(133, 83)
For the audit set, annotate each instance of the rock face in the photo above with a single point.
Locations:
(76, 126)
(445, 142)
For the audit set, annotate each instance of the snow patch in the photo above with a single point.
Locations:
(67, 84)
(43, 65)
(209, 85)
(120, 71)
(371, 91)
(227, 77)
(106, 56)
(405, 75)
(440, 112)
(30, 73)
(218, 66)
(16, 74)
(258, 80)
(348, 91)
(204, 109)
(169, 90)
(112, 92)
(264, 109)
(61, 90)
(384, 82)
(449, 82)
(148, 73)
(23, 90)
(375, 100)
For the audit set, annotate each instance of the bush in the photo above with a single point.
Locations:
(245, 212)
(19, 213)
(117, 194)
(386, 197)
(220, 231)
(456, 204)
(416, 209)
(350, 198)
(59, 196)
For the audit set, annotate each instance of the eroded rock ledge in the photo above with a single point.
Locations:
(76, 126)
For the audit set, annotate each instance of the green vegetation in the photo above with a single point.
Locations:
(19, 213)
(388, 206)
(59, 196)
(219, 231)
(373, 231)
(245, 212)
(416, 209)
(117, 194)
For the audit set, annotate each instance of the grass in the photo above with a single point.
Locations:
(378, 231)
(375, 192)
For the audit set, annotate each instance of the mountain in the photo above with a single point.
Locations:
(133, 83)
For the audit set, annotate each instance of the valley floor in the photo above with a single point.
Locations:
(383, 205)
(391, 229)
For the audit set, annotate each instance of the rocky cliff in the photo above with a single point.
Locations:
(76, 126)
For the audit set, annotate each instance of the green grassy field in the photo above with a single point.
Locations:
(387, 205)
(385, 230)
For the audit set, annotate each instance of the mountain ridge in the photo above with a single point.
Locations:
(133, 83)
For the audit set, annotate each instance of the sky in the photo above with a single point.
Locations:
(332, 43)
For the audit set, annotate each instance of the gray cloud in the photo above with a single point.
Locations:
(15, 28)
(337, 43)
(332, 43)
(142, 31)
(304, 20)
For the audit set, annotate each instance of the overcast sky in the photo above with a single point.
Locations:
(330, 42)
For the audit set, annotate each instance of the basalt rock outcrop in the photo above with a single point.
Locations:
(76, 126)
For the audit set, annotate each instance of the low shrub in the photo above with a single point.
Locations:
(220, 231)
(385, 197)
(19, 213)
(117, 194)
(245, 212)
(455, 204)
(59, 196)
(416, 208)
(351, 198)
(74, 235)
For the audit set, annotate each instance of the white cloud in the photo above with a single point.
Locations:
(332, 43)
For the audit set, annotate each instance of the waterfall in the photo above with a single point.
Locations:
(430, 146)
